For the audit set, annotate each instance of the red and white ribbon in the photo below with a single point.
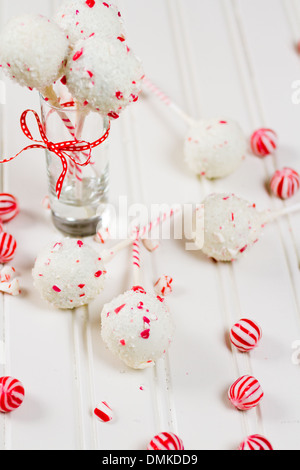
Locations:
(8, 247)
(245, 393)
(104, 412)
(255, 442)
(61, 149)
(11, 394)
(9, 207)
(165, 441)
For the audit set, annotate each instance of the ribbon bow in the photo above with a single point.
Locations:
(61, 149)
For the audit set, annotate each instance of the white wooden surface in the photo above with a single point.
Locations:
(236, 58)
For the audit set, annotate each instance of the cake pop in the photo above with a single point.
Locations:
(81, 18)
(69, 274)
(230, 225)
(137, 326)
(103, 75)
(213, 147)
(32, 52)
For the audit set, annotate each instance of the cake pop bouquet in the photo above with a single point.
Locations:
(82, 56)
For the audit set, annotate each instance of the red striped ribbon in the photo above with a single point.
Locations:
(61, 149)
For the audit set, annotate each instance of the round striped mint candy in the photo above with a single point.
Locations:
(264, 142)
(11, 394)
(245, 393)
(165, 441)
(9, 207)
(255, 442)
(8, 247)
(285, 183)
(245, 334)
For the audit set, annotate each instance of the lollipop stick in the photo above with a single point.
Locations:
(136, 263)
(286, 211)
(168, 102)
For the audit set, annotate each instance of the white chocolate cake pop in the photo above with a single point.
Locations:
(81, 18)
(104, 76)
(231, 226)
(137, 327)
(33, 50)
(69, 274)
(214, 148)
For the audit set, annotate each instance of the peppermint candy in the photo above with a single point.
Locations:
(104, 412)
(255, 442)
(11, 394)
(165, 441)
(264, 142)
(245, 393)
(150, 245)
(285, 183)
(102, 235)
(8, 247)
(245, 334)
(9, 207)
(164, 285)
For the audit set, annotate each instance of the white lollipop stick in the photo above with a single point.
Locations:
(168, 102)
(288, 210)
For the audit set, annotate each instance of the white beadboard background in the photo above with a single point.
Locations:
(231, 57)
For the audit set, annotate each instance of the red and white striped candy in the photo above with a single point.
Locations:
(245, 334)
(103, 412)
(165, 441)
(264, 142)
(164, 285)
(11, 394)
(150, 245)
(285, 183)
(255, 442)
(245, 393)
(9, 207)
(8, 247)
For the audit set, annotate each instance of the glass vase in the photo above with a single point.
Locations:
(84, 194)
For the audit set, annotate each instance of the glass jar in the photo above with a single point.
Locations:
(84, 195)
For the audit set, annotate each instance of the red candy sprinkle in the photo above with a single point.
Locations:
(98, 274)
(118, 309)
(145, 334)
(78, 54)
(80, 243)
(90, 3)
(113, 115)
(119, 95)
(56, 289)
(63, 80)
